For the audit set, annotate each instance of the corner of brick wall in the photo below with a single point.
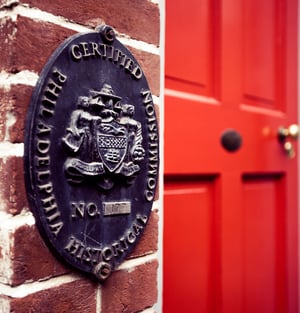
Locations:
(31, 278)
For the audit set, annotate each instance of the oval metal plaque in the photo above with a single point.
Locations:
(91, 152)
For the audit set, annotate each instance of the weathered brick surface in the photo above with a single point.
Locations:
(130, 291)
(30, 44)
(150, 64)
(75, 297)
(12, 189)
(7, 37)
(138, 18)
(26, 50)
(14, 103)
(148, 242)
(31, 258)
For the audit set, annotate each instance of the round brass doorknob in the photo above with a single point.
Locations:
(291, 132)
(285, 137)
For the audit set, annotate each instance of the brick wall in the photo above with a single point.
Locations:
(31, 278)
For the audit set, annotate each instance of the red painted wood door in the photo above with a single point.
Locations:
(230, 218)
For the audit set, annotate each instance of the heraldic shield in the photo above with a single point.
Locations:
(112, 144)
(91, 152)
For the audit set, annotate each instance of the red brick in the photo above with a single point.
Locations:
(75, 297)
(131, 291)
(27, 44)
(14, 101)
(12, 190)
(7, 29)
(137, 18)
(150, 63)
(5, 107)
(31, 45)
(148, 242)
(31, 258)
(28, 51)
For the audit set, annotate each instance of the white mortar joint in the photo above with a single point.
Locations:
(131, 265)
(39, 15)
(33, 287)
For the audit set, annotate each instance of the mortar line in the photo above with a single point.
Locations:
(132, 264)
(149, 310)
(33, 287)
(24, 77)
(39, 15)
(8, 149)
(98, 299)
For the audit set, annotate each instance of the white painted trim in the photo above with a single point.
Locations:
(298, 95)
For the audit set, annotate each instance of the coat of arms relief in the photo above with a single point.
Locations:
(103, 139)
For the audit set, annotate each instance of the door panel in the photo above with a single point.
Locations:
(263, 242)
(191, 234)
(259, 59)
(230, 217)
(186, 45)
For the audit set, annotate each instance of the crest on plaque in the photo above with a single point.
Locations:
(104, 140)
(91, 152)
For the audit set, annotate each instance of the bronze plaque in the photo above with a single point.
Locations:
(91, 152)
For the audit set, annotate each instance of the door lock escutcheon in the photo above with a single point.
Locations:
(286, 136)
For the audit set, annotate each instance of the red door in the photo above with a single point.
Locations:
(230, 221)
